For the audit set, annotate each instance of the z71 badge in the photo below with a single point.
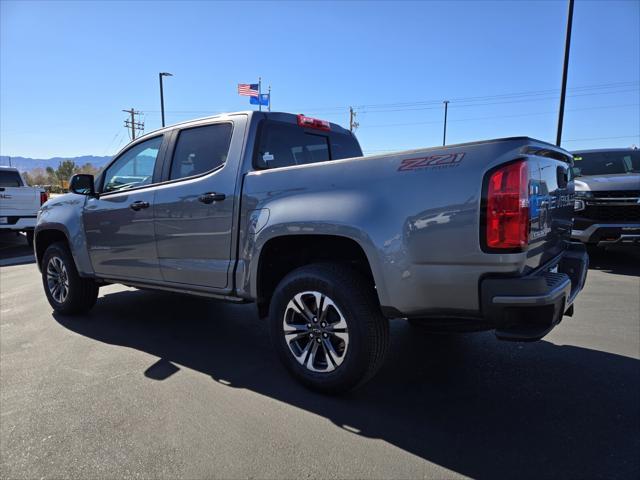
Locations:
(448, 160)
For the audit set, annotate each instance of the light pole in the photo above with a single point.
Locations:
(565, 69)
(444, 133)
(160, 75)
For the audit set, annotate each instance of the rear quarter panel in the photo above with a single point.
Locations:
(415, 214)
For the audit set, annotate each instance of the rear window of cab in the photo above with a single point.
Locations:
(283, 144)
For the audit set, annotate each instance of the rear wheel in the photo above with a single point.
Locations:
(327, 327)
(66, 290)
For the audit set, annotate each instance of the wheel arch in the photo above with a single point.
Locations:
(44, 237)
(282, 254)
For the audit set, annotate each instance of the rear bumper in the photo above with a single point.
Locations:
(604, 234)
(527, 308)
(19, 223)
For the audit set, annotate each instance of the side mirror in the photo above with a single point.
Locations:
(82, 184)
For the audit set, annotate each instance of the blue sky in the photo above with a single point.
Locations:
(67, 69)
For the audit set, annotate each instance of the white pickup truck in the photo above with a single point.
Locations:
(19, 203)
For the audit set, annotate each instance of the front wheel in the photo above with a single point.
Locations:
(66, 290)
(327, 328)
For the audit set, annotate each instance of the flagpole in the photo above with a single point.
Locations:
(259, 94)
(269, 98)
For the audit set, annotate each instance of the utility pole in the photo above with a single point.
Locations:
(565, 69)
(132, 123)
(444, 134)
(269, 98)
(352, 120)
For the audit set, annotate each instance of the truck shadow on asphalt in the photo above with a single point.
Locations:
(618, 260)
(14, 250)
(470, 403)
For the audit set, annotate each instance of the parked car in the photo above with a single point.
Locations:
(284, 211)
(607, 197)
(19, 203)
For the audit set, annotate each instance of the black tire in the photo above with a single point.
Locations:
(593, 250)
(82, 292)
(29, 235)
(355, 299)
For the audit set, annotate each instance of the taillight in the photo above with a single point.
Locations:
(43, 197)
(507, 213)
(316, 123)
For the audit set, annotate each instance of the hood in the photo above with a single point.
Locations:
(64, 199)
(595, 183)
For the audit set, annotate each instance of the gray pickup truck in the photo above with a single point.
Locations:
(284, 211)
(607, 197)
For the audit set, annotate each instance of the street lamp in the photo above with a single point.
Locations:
(160, 75)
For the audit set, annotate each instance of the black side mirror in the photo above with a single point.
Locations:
(82, 184)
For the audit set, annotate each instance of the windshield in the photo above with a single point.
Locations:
(606, 163)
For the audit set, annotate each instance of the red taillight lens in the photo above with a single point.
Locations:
(316, 123)
(508, 207)
(43, 197)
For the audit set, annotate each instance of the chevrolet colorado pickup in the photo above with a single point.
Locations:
(284, 211)
(19, 203)
(607, 197)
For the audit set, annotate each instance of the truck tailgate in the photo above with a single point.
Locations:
(17, 201)
(550, 207)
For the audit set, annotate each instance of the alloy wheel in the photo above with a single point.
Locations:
(57, 279)
(315, 331)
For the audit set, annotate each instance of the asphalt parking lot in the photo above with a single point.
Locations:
(153, 385)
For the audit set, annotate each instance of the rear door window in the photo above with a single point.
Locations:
(200, 150)
(10, 178)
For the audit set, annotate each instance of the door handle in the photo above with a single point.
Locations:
(139, 205)
(211, 197)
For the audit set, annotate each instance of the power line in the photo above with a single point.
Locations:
(111, 142)
(506, 95)
(437, 103)
(500, 116)
(524, 100)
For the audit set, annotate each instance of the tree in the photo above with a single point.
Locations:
(66, 169)
(37, 176)
(28, 179)
(88, 168)
(51, 174)
(58, 177)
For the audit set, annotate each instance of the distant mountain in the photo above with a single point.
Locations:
(25, 164)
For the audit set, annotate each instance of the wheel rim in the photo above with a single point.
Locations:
(315, 331)
(57, 279)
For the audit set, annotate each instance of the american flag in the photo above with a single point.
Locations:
(248, 89)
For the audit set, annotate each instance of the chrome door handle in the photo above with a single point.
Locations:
(139, 205)
(211, 197)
